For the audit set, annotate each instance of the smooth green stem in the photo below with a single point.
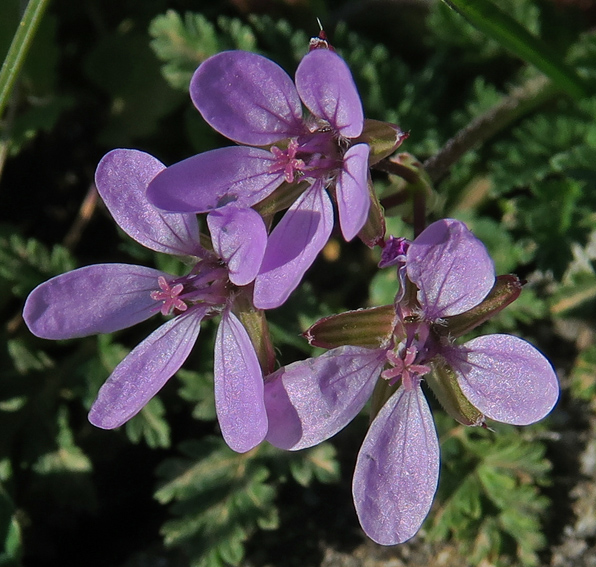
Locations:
(19, 48)
(486, 16)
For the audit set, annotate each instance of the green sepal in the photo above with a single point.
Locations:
(382, 392)
(255, 323)
(383, 139)
(282, 198)
(443, 382)
(506, 290)
(370, 328)
(373, 231)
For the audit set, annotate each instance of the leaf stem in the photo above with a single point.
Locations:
(19, 48)
(532, 94)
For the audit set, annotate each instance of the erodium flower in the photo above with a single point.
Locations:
(449, 288)
(252, 101)
(104, 298)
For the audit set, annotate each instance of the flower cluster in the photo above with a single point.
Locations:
(448, 277)
(299, 162)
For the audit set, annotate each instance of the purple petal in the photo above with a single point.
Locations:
(351, 192)
(102, 298)
(506, 378)
(122, 177)
(145, 370)
(451, 268)
(239, 237)
(326, 87)
(247, 98)
(238, 386)
(397, 470)
(211, 180)
(293, 246)
(311, 400)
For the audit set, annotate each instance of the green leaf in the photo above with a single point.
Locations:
(489, 501)
(65, 473)
(25, 263)
(11, 538)
(198, 388)
(583, 375)
(574, 294)
(498, 25)
(319, 462)
(183, 43)
(150, 425)
(26, 359)
(219, 498)
(122, 66)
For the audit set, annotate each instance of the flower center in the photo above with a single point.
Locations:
(168, 295)
(316, 155)
(405, 367)
(207, 283)
(286, 161)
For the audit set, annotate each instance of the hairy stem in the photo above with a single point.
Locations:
(521, 101)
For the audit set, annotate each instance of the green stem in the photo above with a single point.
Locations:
(18, 49)
(521, 101)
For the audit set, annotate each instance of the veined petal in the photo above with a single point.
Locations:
(239, 237)
(102, 298)
(506, 378)
(145, 370)
(247, 98)
(238, 381)
(450, 267)
(210, 180)
(122, 178)
(293, 246)
(351, 192)
(397, 470)
(311, 400)
(326, 87)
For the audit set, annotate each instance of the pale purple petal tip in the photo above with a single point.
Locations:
(238, 381)
(208, 181)
(102, 298)
(353, 199)
(326, 87)
(311, 400)
(239, 237)
(122, 178)
(506, 378)
(247, 98)
(293, 246)
(397, 470)
(145, 371)
(450, 267)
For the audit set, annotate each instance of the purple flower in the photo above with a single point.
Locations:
(104, 298)
(252, 101)
(449, 275)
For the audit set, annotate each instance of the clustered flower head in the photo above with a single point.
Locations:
(301, 146)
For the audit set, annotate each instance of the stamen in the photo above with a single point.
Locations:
(169, 296)
(286, 161)
(404, 368)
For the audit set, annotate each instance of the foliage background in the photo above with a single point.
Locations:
(164, 490)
